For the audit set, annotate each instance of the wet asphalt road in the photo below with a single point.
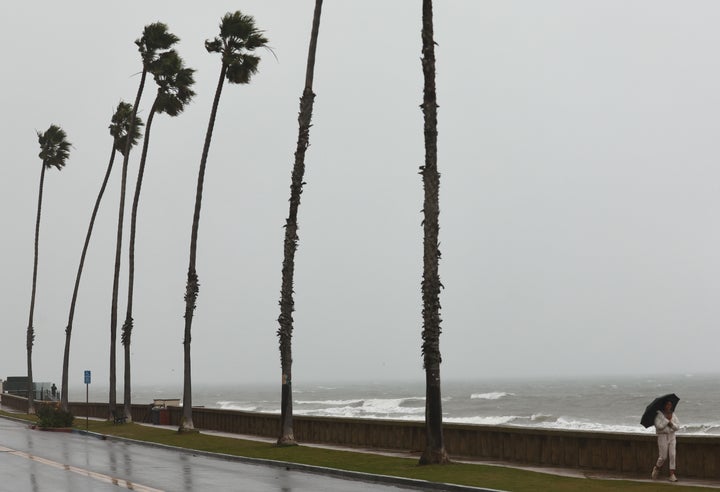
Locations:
(37, 461)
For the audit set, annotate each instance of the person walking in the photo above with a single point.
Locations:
(666, 424)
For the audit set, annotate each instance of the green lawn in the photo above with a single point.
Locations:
(494, 477)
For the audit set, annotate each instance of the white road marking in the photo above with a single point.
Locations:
(81, 471)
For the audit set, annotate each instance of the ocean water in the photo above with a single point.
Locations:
(606, 404)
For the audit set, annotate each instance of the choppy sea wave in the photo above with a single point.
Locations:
(243, 407)
(494, 395)
(601, 405)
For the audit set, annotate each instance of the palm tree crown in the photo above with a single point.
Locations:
(174, 83)
(54, 148)
(238, 39)
(155, 37)
(120, 126)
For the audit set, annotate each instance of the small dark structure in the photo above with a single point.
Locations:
(18, 385)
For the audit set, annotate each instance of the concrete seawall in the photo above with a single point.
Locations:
(633, 454)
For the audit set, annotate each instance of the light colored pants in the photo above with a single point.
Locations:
(666, 447)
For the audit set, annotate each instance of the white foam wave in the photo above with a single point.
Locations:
(701, 429)
(494, 395)
(580, 425)
(391, 405)
(328, 402)
(540, 421)
(234, 405)
(491, 420)
(393, 408)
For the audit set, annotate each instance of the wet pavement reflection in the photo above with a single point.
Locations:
(38, 461)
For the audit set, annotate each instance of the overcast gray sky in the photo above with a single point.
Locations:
(578, 146)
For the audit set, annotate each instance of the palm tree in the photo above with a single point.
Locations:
(174, 92)
(120, 131)
(54, 151)
(238, 40)
(287, 304)
(155, 40)
(435, 451)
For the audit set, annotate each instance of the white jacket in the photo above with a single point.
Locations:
(665, 426)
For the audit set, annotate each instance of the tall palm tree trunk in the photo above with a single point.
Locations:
(128, 325)
(71, 316)
(435, 450)
(287, 303)
(193, 287)
(112, 397)
(30, 328)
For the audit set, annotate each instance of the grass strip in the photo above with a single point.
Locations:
(477, 475)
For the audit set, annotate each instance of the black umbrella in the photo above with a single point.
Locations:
(658, 403)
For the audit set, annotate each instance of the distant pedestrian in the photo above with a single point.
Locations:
(53, 390)
(666, 424)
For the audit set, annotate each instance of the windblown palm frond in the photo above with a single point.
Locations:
(174, 82)
(242, 70)
(54, 147)
(156, 37)
(120, 126)
(237, 25)
(238, 39)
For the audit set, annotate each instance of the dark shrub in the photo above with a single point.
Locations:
(52, 415)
